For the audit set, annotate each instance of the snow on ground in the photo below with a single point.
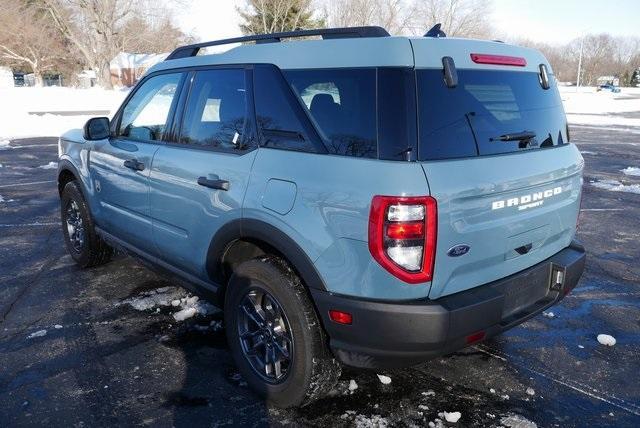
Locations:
(38, 333)
(451, 416)
(386, 380)
(50, 165)
(373, 421)
(589, 107)
(616, 186)
(18, 106)
(631, 171)
(607, 340)
(171, 297)
(517, 421)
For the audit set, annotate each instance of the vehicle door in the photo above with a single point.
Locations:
(198, 182)
(120, 165)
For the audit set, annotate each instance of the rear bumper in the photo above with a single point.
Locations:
(390, 335)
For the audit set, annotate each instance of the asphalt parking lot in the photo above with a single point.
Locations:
(101, 362)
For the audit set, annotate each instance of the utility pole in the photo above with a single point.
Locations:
(580, 64)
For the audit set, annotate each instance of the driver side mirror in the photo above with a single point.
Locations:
(97, 128)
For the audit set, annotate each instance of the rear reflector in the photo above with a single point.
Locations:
(475, 337)
(405, 230)
(498, 60)
(340, 317)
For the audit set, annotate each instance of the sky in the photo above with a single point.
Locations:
(550, 21)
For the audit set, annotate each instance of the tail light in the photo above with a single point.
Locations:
(498, 60)
(402, 236)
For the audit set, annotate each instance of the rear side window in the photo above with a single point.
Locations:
(485, 112)
(281, 122)
(342, 103)
(216, 111)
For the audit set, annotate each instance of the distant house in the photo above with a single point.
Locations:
(87, 78)
(127, 68)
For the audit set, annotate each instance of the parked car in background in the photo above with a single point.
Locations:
(360, 200)
(19, 79)
(608, 87)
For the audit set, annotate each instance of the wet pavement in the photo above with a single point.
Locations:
(101, 362)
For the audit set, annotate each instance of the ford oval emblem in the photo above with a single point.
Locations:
(458, 250)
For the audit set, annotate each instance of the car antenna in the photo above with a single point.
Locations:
(436, 32)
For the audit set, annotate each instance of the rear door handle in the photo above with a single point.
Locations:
(213, 184)
(134, 165)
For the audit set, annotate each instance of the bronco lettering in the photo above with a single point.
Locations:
(523, 202)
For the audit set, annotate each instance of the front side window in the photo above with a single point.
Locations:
(342, 103)
(145, 115)
(216, 111)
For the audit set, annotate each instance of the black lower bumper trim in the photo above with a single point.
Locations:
(391, 335)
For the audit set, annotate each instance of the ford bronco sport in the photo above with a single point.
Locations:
(354, 199)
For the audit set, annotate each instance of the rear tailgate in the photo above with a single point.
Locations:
(503, 204)
(477, 207)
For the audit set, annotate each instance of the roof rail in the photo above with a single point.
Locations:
(326, 33)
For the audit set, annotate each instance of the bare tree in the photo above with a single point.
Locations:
(92, 26)
(27, 39)
(100, 29)
(393, 15)
(459, 18)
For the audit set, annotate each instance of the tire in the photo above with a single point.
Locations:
(311, 371)
(84, 245)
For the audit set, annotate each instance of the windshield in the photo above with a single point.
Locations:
(488, 112)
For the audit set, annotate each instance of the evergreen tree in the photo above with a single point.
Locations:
(635, 78)
(272, 16)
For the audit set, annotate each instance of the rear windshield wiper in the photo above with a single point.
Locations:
(516, 136)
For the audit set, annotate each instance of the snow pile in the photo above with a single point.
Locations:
(39, 333)
(352, 385)
(50, 165)
(517, 421)
(451, 417)
(385, 380)
(607, 340)
(631, 171)
(375, 421)
(19, 104)
(171, 297)
(616, 186)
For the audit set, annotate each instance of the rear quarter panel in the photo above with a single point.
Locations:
(330, 214)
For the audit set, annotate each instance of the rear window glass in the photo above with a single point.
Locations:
(489, 112)
(342, 103)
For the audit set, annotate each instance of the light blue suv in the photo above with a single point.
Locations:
(355, 199)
